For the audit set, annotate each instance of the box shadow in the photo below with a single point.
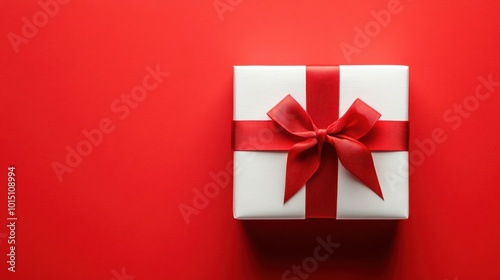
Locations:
(365, 247)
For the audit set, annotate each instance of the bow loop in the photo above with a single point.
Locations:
(357, 121)
(292, 117)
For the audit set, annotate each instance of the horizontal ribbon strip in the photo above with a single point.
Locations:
(267, 136)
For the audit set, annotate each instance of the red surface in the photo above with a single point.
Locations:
(117, 213)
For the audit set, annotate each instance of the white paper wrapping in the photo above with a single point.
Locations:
(259, 177)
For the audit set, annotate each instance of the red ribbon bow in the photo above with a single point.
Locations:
(304, 158)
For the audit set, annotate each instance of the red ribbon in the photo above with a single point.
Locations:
(350, 140)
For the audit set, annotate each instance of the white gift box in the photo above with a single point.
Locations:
(259, 180)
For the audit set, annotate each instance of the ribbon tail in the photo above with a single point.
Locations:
(357, 159)
(302, 162)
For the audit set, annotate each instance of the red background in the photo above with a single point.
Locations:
(119, 207)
